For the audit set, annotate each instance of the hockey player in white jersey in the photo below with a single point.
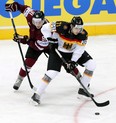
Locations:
(70, 40)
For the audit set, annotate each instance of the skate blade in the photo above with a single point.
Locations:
(34, 103)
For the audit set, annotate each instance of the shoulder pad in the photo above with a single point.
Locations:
(62, 27)
(84, 31)
(53, 26)
(83, 35)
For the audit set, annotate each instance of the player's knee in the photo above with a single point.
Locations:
(46, 78)
(50, 74)
(90, 65)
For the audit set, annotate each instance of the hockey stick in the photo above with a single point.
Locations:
(72, 72)
(15, 31)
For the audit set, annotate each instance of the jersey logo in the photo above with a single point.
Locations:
(67, 46)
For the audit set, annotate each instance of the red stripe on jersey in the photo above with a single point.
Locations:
(72, 41)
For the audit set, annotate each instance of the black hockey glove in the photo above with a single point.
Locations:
(21, 39)
(53, 43)
(11, 7)
(69, 66)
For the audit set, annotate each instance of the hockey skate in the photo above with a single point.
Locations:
(36, 98)
(82, 93)
(18, 83)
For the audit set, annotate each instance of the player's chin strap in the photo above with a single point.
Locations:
(73, 73)
(15, 31)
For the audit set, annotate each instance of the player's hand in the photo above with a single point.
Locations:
(11, 7)
(69, 66)
(21, 39)
(53, 43)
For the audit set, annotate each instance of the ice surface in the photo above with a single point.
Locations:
(59, 103)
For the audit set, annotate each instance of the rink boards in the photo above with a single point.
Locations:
(99, 16)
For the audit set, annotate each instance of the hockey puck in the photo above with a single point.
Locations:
(97, 113)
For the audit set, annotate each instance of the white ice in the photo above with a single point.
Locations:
(59, 103)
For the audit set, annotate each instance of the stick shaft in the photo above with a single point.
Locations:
(72, 72)
(20, 49)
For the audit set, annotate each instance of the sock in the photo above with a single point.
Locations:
(42, 86)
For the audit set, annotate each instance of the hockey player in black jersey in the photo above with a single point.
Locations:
(70, 40)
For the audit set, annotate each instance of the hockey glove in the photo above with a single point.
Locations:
(11, 7)
(69, 66)
(53, 43)
(21, 39)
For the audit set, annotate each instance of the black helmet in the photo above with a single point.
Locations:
(39, 14)
(76, 20)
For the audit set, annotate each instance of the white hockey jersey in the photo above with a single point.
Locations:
(67, 42)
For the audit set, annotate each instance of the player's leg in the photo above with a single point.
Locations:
(31, 58)
(90, 65)
(54, 67)
(49, 75)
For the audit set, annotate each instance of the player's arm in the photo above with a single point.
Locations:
(62, 27)
(15, 6)
(80, 47)
(79, 50)
(58, 26)
(21, 39)
(77, 53)
(27, 11)
(83, 35)
(47, 31)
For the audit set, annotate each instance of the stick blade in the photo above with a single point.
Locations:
(103, 104)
